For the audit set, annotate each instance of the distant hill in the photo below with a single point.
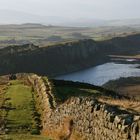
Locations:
(18, 17)
(125, 22)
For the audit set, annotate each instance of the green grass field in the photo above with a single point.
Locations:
(64, 93)
(20, 114)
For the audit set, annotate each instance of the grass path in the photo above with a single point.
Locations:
(21, 107)
(21, 119)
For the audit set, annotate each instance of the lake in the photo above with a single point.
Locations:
(101, 74)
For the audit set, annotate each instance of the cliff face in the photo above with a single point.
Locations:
(64, 58)
(123, 45)
(51, 60)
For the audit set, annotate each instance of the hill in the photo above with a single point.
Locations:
(65, 57)
(129, 87)
(19, 17)
(63, 110)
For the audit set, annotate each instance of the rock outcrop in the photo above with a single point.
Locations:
(64, 58)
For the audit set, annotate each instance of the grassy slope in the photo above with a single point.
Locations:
(126, 86)
(66, 89)
(64, 93)
(21, 100)
(20, 113)
(129, 87)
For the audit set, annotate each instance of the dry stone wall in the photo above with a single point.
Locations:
(45, 101)
(95, 121)
(85, 117)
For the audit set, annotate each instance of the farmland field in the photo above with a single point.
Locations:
(48, 35)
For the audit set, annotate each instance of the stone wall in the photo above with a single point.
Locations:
(94, 121)
(45, 101)
(82, 118)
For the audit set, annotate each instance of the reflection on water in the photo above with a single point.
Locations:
(103, 73)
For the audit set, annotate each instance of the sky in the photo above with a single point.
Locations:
(98, 9)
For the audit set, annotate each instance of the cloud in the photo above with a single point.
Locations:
(102, 9)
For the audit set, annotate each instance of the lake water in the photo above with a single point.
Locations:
(101, 74)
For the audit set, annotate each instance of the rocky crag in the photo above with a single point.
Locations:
(83, 118)
(64, 58)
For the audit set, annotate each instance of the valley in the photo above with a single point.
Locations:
(38, 103)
